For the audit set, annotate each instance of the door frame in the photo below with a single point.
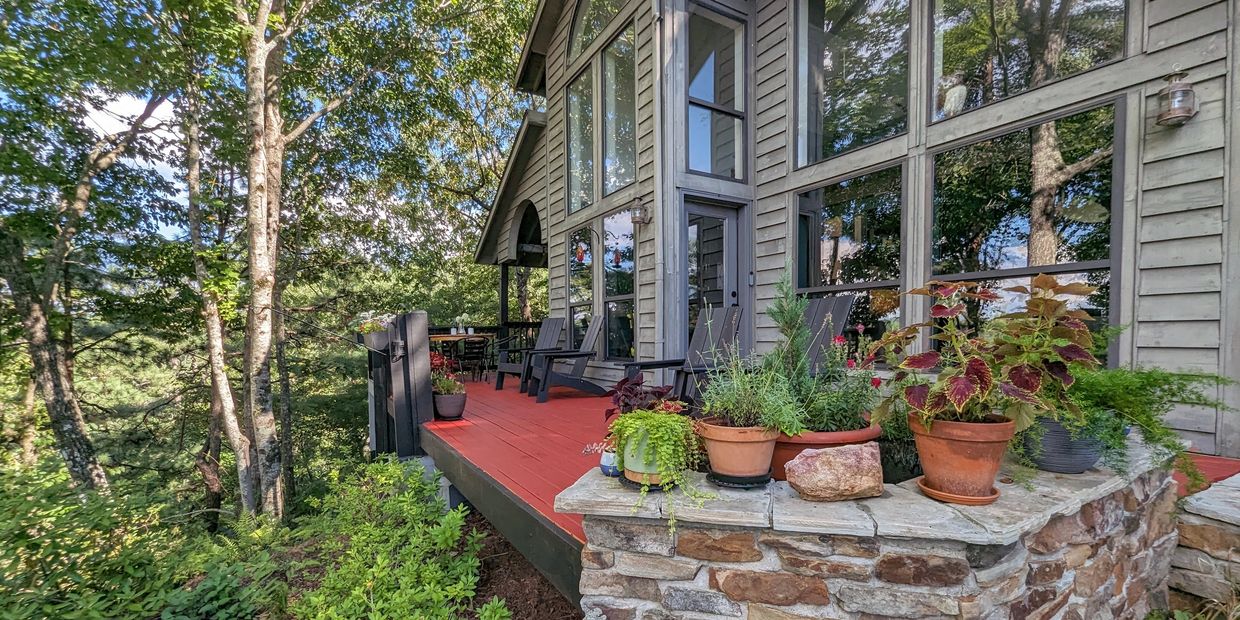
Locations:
(740, 238)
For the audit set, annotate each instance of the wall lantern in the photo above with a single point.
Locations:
(640, 213)
(1177, 102)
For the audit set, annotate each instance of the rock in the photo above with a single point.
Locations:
(604, 609)
(826, 568)
(656, 566)
(891, 602)
(922, 570)
(648, 537)
(717, 545)
(605, 583)
(701, 601)
(597, 558)
(837, 474)
(1046, 573)
(1213, 537)
(767, 587)
(762, 612)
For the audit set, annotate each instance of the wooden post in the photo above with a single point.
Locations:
(503, 301)
(418, 366)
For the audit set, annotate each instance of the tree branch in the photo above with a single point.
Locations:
(1084, 165)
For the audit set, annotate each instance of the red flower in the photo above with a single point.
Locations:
(839, 340)
(876, 382)
(860, 327)
(852, 363)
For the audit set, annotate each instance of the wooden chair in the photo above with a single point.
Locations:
(543, 373)
(516, 360)
(826, 318)
(473, 357)
(714, 332)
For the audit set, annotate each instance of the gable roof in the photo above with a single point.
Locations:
(532, 70)
(532, 126)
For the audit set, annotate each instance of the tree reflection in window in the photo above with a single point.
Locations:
(850, 231)
(853, 63)
(591, 18)
(619, 267)
(619, 113)
(580, 284)
(580, 138)
(986, 50)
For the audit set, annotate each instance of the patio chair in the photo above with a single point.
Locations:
(474, 357)
(825, 317)
(715, 331)
(543, 374)
(516, 360)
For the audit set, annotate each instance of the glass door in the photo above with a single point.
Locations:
(711, 256)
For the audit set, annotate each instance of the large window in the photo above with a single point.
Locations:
(985, 51)
(852, 74)
(848, 243)
(1037, 200)
(619, 260)
(716, 87)
(580, 285)
(592, 16)
(601, 131)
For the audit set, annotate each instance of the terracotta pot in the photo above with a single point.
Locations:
(739, 452)
(450, 406)
(961, 459)
(639, 463)
(788, 447)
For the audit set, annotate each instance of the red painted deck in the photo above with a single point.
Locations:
(534, 450)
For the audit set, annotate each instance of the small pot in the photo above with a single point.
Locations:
(454, 332)
(1060, 452)
(450, 406)
(639, 461)
(737, 452)
(469, 330)
(607, 464)
(787, 447)
(961, 459)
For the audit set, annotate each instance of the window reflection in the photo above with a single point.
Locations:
(986, 50)
(592, 16)
(580, 283)
(849, 233)
(619, 113)
(619, 268)
(853, 63)
(580, 137)
(716, 76)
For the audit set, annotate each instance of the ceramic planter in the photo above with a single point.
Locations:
(737, 452)
(607, 464)
(1060, 452)
(787, 447)
(639, 461)
(961, 459)
(450, 406)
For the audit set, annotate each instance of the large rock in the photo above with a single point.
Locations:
(837, 474)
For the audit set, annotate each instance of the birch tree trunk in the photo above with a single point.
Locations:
(26, 425)
(286, 395)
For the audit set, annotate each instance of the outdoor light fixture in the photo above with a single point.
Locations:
(1177, 101)
(640, 213)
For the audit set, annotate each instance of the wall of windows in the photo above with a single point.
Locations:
(601, 125)
(716, 94)
(615, 275)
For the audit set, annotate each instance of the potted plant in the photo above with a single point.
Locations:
(747, 407)
(835, 400)
(448, 392)
(987, 383)
(1112, 403)
(656, 448)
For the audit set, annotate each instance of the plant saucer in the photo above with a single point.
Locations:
(952, 498)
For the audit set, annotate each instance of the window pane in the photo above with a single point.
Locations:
(619, 113)
(620, 330)
(1039, 196)
(715, 142)
(618, 254)
(579, 322)
(580, 143)
(872, 310)
(592, 16)
(853, 63)
(985, 53)
(580, 272)
(716, 59)
(850, 232)
(705, 257)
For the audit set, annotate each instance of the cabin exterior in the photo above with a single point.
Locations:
(688, 150)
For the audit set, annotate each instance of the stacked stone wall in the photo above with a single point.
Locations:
(1206, 565)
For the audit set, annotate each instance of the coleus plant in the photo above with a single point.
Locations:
(1018, 366)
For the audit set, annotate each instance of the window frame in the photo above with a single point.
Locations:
(742, 154)
(606, 299)
(596, 233)
(590, 62)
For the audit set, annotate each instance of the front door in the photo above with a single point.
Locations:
(711, 253)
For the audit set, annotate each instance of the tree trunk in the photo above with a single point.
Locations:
(26, 425)
(223, 406)
(523, 293)
(286, 395)
(208, 463)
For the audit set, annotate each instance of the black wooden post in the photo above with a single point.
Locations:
(406, 431)
(382, 431)
(503, 301)
(418, 365)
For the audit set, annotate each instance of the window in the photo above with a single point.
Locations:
(580, 285)
(1037, 200)
(619, 255)
(853, 74)
(615, 104)
(982, 56)
(716, 108)
(592, 16)
(848, 242)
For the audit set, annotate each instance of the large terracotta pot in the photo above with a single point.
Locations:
(738, 452)
(450, 406)
(961, 459)
(787, 447)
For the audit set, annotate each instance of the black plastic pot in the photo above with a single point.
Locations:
(1060, 452)
(450, 406)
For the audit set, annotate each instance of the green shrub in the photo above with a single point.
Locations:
(387, 549)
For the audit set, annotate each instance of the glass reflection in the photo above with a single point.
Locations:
(849, 232)
(619, 113)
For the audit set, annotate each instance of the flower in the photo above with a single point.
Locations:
(839, 340)
(852, 363)
(860, 327)
(876, 382)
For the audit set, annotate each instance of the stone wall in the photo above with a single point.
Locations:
(1206, 565)
(1090, 546)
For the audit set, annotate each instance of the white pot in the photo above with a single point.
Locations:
(469, 330)
(454, 332)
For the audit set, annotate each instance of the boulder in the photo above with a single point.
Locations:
(837, 473)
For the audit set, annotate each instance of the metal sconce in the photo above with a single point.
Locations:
(640, 213)
(1177, 101)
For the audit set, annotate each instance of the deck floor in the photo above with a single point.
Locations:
(534, 450)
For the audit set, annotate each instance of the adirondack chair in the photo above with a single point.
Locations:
(516, 360)
(714, 332)
(825, 317)
(543, 373)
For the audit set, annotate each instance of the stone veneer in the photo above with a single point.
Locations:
(1206, 565)
(1094, 545)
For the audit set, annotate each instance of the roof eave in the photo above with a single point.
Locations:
(532, 125)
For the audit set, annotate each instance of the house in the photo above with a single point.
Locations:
(688, 150)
